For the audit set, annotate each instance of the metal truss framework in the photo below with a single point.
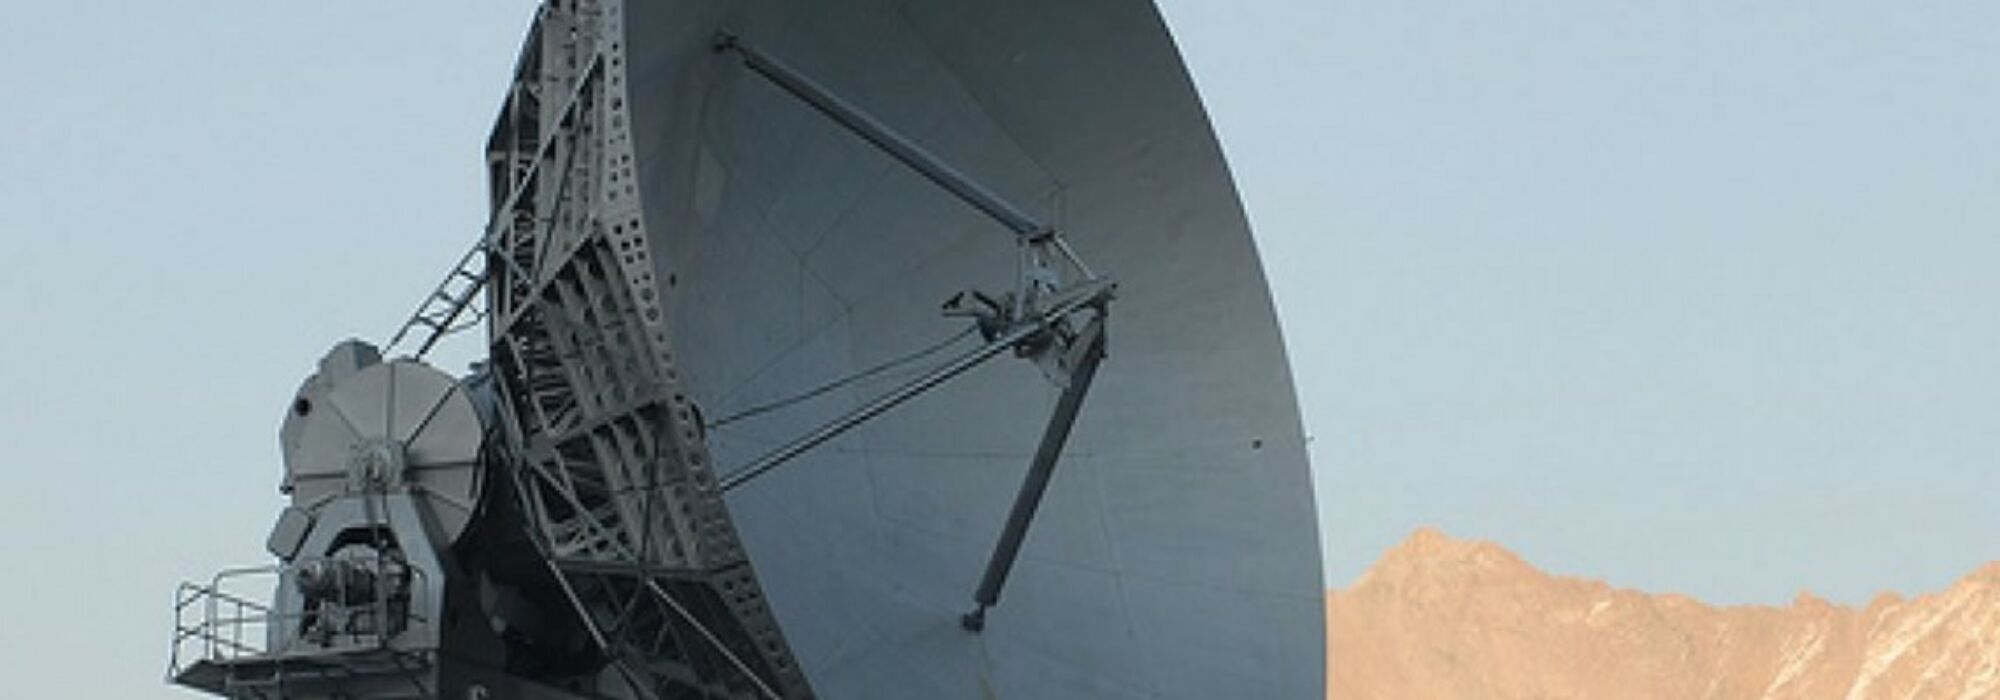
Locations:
(608, 456)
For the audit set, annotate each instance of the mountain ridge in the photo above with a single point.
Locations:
(1441, 617)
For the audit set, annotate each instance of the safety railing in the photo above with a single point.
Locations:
(234, 618)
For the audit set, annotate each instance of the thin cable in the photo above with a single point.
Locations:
(823, 389)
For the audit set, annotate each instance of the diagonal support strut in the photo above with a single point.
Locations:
(882, 137)
(1028, 327)
(1008, 548)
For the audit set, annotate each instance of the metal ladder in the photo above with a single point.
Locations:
(439, 311)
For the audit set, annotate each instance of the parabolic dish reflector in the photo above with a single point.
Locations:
(793, 271)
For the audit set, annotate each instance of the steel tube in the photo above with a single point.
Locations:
(1037, 482)
(873, 131)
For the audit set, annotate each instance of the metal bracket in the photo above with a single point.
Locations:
(1095, 294)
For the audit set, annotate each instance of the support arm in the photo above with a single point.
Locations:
(1091, 342)
(875, 132)
(1091, 294)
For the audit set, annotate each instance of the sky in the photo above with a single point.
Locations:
(1689, 296)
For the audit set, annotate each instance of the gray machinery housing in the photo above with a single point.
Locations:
(847, 348)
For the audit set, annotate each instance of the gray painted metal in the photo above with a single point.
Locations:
(1176, 555)
(603, 443)
(1040, 471)
(360, 419)
(1010, 339)
(874, 131)
(673, 236)
(371, 596)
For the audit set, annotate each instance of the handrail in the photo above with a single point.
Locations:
(217, 622)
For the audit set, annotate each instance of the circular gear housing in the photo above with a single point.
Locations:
(364, 425)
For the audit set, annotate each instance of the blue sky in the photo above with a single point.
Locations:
(1692, 296)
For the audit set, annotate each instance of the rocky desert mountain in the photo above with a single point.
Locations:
(1444, 618)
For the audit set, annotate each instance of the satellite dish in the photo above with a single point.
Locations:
(1176, 552)
(843, 349)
